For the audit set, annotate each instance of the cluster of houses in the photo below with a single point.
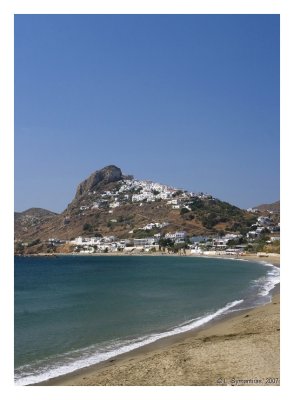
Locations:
(113, 244)
(231, 243)
(217, 245)
(155, 225)
(193, 245)
(263, 224)
(139, 191)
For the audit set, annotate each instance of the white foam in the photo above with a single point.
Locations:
(26, 375)
(268, 282)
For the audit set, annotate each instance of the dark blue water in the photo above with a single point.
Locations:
(74, 311)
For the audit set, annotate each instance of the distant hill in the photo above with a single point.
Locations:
(35, 212)
(29, 221)
(110, 203)
(275, 207)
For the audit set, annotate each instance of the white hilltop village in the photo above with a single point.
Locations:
(140, 191)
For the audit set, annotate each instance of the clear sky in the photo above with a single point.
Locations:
(186, 100)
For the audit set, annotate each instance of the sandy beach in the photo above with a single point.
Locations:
(241, 349)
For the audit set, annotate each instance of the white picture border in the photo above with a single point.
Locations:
(8, 8)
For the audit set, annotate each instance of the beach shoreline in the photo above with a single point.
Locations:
(270, 257)
(233, 335)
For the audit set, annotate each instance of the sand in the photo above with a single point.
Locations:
(242, 350)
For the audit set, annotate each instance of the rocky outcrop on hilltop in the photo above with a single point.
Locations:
(98, 179)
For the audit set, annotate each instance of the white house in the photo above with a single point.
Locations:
(259, 230)
(251, 234)
(264, 221)
(114, 204)
(176, 235)
(180, 234)
(145, 242)
(275, 238)
(79, 241)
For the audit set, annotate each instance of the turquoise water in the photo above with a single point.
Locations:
(74, 311)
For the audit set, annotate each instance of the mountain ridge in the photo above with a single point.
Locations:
(110, 203)
(275, 207)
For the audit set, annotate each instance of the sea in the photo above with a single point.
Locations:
(76, 311)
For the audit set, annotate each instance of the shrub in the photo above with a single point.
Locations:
(34, 242)
(88, 227)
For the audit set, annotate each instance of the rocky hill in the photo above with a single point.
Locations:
(110, 203)
(274, 207)
(31, 220)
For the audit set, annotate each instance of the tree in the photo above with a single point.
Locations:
(88, 227)
(97, 234)
(19, 248)
(184, 210)
(209, 220)
(196, 204)
(166, 244)
(179, 246)
(177, 193)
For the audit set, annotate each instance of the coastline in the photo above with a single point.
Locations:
(273, 258)
(242, 346)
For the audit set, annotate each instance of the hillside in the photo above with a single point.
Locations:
(30, 221)
(110, 203)
(274, 207)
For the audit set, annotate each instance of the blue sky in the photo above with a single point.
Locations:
(187, 100)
